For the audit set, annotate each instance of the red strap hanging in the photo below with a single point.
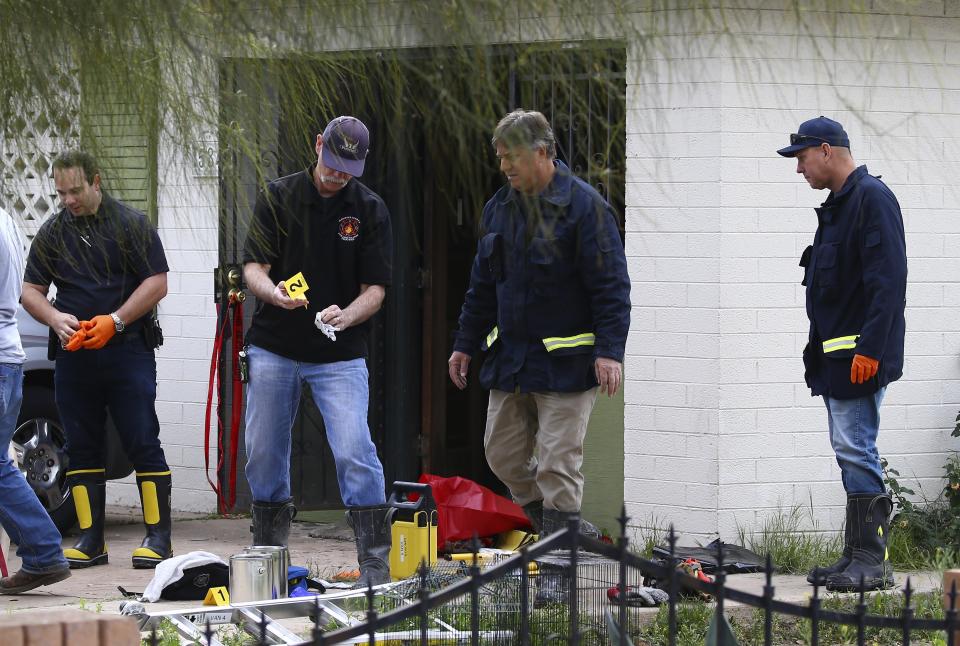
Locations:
(222, 319)
(3, 564)
(226, 497)
(237, 402)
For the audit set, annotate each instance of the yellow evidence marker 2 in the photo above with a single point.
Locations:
(218, 596)
(297, 287)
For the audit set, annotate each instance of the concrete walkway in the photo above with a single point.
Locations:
(324, 548)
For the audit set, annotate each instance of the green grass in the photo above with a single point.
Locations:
(796, 549)
(231, 635)
(693, 621)
(913, 545)
(792, 550)
(167, 635)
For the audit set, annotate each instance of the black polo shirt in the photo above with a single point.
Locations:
(338, 243)
(96, 261)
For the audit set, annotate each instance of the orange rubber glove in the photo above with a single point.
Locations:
(76, 340)
(99, 329)
(862, 368)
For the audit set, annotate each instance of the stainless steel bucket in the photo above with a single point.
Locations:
(280, 558)
(252, 577)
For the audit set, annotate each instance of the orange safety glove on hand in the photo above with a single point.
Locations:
(76, 340)
(100, 329)
(862, 368)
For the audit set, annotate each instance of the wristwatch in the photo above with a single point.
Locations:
(118, 323)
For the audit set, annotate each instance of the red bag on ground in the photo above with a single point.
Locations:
(465, 508)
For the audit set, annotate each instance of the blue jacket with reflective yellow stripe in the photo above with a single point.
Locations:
(855, 273)
(549, 290)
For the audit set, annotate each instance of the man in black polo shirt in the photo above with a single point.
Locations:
(110, 271)
(325, 224)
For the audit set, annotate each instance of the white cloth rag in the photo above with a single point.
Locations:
(171, 570)
(327, 329)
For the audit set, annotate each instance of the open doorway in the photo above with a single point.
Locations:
(432, 163)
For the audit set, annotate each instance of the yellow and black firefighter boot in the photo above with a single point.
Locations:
(155, 499)
(870, 559)
(89, 490)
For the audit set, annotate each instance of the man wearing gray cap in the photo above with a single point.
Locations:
(855, 273)
(324, 227)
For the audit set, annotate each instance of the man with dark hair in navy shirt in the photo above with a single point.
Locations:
(108, 265)
(855, 273)
(323, 224)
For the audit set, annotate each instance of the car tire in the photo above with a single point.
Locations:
(39, 442)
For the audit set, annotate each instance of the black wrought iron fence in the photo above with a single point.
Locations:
(503, 604)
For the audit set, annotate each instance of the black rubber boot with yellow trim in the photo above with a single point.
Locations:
(155, 499)
(88, 487)
(870, 560)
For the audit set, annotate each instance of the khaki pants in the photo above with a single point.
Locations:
(534, 444)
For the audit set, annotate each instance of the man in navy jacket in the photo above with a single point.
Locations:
(855, 273)
(549, 299)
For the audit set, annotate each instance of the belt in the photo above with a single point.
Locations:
(126, 337)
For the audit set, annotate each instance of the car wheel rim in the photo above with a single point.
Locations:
(39, 447)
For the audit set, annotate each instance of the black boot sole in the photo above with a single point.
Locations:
(96, 560)
(869, 585)
(821, 577)
(144, 563)
(46, 579)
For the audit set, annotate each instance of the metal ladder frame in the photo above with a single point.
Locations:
(262, 616)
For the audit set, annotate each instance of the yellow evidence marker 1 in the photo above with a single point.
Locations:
(218, 596)
(297, 287)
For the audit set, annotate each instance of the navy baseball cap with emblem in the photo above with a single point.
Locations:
(345, 144)
(815, 132)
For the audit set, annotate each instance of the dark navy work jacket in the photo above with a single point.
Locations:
(856, 277)
(549, 290)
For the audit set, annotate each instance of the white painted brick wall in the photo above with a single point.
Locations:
(720, 432)
(188, 220)
(898, 98)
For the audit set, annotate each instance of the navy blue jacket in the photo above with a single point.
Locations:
(856, 277)
(549, 290)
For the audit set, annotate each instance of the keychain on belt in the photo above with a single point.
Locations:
(242, 365)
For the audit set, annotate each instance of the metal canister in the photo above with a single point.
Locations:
(251, 577)
(280, 559)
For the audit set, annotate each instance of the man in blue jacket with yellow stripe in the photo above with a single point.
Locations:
(855, 273)
(549, 299)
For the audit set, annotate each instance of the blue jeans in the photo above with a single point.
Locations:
(340, 390)
(21, 514)
(854, 424)
(121, 377)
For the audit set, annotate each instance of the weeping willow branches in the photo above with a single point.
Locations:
(263, 77)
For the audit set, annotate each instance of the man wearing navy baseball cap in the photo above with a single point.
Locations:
(344, 144)
(855, 273)
(332, 234)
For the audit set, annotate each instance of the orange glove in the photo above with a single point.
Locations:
(99, 330)
(862, 368)
(76, 340)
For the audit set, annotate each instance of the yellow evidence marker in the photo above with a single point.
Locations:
(218, 596)
(297, 287)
